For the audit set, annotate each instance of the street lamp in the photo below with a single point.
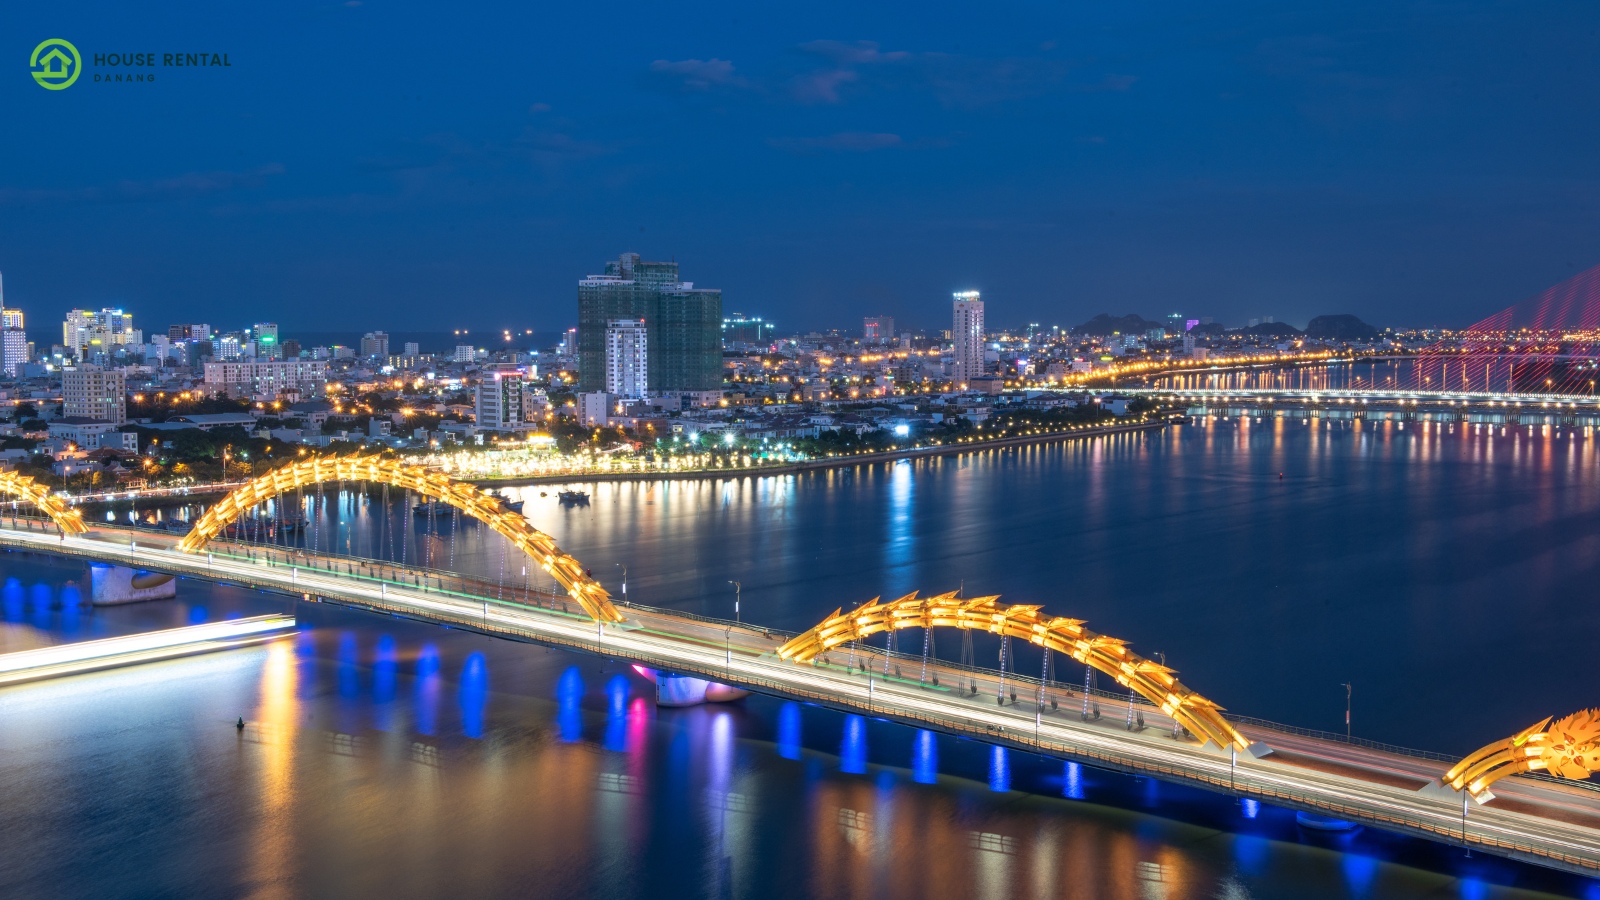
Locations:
(1347, 689)
(624, 581)
(737, 589)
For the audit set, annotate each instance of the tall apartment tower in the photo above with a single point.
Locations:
(683, 325)
(267, 346)
(499, 401)
(967, 332)
(90, 392)
(13, 340)
(627, 358)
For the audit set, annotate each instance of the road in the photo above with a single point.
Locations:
(1533, 819)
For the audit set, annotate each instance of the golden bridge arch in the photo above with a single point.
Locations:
(430, 483)
(23, 487)
(1110, 655)
(1566, 748)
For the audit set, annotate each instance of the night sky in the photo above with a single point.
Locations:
(404, 165)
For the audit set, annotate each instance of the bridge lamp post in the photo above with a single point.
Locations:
(624, 581)
(737, 590)
(1347, 689)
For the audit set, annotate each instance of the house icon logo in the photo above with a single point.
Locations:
(55, 64)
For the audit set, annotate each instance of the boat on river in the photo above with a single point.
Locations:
(572, 498)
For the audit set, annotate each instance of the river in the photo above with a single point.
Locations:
(1442, 571)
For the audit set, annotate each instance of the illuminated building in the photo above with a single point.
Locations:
(499, 401)
(967, 333)
(267, 346)
(13, 340)
(627, 358)
(85, 333)
(89, 392)
(374, 343)
(265, 379)
(740, 332)
(684, 324)
(877, 329)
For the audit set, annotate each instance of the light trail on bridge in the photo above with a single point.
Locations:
(135, 649)
(746, 656)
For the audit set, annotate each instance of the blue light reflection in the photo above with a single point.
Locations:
(853, 746)
(924, 757)
(474, 695)
(569, 693)
(789, 730)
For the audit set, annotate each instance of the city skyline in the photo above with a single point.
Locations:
(1286, 162)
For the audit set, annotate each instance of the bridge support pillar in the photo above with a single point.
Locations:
(110, 585)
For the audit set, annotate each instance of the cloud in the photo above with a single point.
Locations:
(178, 187)
(841, 142)
(853, 53)
(697, 75)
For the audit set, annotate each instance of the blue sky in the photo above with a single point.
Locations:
(407, 166)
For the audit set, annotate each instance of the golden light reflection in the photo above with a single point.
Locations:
(273, 854)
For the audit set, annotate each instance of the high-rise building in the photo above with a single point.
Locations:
(877, 329)
(967, 333)
(740, 332)
(374, 343)
(627, 358)
(13, 340)
(89, 392)
(499, 400)
(267, 346)
(189, 333)
(464, 353)
(291, 349)
(412, 348)
(683, 324)
(226, 348)
(86, 332)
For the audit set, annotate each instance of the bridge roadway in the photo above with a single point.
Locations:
(1537, 820)
(1487, 406)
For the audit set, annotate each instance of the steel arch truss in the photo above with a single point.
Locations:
(1567, 748)
(429, 483)
(1149, 679)
(23, 487)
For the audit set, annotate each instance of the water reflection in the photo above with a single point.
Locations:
(853, 746)
(924, 757)
(789, 730)
(474, 695)
(569, 693)
(427, 690)
(616, 737)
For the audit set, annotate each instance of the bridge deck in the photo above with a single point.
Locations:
(1538, 820)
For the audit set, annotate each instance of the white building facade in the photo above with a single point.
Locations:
(627, 359)
(967, 332)
(266, 379)
(89, 392)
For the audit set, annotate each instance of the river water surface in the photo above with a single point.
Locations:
(1445, 573)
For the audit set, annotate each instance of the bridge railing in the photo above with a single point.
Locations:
(857, 660)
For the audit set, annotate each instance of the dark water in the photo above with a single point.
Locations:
(1446, 573)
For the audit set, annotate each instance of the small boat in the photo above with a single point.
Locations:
(431, 510)
(176, 526)
(292, 525)
(507, 502)
(573, 497)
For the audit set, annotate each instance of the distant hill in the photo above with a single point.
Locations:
(1109, 324)
(1340, 328)
(1270, 329)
